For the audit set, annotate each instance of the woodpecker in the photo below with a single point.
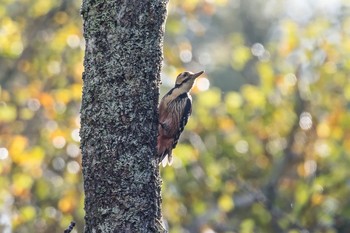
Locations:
(174, 111)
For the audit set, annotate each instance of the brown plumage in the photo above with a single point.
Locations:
(174, 110)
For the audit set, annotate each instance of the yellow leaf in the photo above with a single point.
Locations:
(254, 96)
(26, 114)
(190, 5)
(317, 199)
(233, 101)
(29, 159)
(67, 203)
(42, 189)
(10, 38)
(210, 98)
(61, 17)
(78, 70)
(317, 28)
(226, 124)
(266, 74)
(230, 187)
(28, 213)
(46, 100)
(247, 226)
(323, 130)
(199, 207)
(17, 145)
(8, 113)
(64, 95)
(302, 195)
(76, 91)
(291, 37)
(337, 132)
(175, 27)
(41, 7)
(240, 56)
(21, 184)
(35, 156)
(226, 203)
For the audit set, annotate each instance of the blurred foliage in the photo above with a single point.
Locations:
(266, 149)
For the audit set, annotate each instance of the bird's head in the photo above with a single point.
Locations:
(186, 79)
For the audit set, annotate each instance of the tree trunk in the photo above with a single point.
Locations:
(119, 114)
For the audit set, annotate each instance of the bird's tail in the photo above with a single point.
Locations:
(168, 160)
(164, 148)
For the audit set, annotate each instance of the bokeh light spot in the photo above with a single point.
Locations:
(51, 212)
(208, 230)
(202, 84)
(59, 142)
(242, 146)
(17, 47)
(58, 164)
(60, 107)
(204, 58)
(290, 79)
(4, 153)
(51, 125)
(54, 67)
(305, 121)
(73, 167)
(322, 148)
(310, 167)
(33, 104)
(75, 135)
(73, 41)
(73, 150)
(77, 120)
(186, 56)
(257, 49)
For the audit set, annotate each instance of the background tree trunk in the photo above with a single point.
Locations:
(119, 114)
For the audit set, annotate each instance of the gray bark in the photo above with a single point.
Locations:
(119, 114)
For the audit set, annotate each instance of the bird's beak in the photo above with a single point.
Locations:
(194, 76)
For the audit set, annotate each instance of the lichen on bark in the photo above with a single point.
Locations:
(119, 114)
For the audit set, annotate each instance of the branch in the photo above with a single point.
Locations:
(70, 228)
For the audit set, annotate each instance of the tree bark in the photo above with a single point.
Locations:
(119, 114)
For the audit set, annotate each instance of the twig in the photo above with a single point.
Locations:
(70, 228)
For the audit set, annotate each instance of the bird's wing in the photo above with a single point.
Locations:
(181, 109)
